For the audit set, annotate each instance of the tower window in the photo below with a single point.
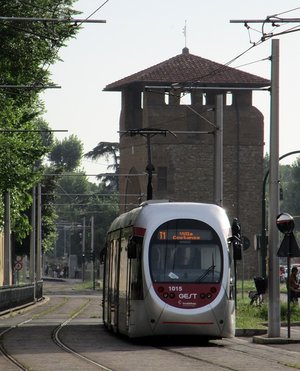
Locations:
(185, 98)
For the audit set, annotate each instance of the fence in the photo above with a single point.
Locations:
(16, 296)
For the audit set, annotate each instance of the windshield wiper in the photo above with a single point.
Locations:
(204, 274)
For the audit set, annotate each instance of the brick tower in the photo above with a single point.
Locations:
(175, 100)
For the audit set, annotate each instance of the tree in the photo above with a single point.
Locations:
(20, 149)
(80, 199)
(28, 48)
(26, 51)
(107, 150)
(67, 153)
(65, 156)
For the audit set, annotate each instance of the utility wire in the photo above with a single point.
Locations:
(253, 62)
(253, 44)
(94, 12)
(285, 12)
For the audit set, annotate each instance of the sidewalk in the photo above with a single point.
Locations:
(294, 337)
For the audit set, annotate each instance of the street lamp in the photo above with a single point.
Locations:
(263, 220)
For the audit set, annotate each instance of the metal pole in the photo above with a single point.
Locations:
(32, 269)
(83, 249)
(149, 169)
(7, 279)
(289, 290)
(219, 151)
(39, 234)
(51, 20)
(92, 249)
(274, 294)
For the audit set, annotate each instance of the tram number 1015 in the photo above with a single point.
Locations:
(175, 288)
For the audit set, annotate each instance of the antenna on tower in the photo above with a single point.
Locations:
(184, 33)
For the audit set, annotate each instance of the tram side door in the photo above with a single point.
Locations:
(113, 296)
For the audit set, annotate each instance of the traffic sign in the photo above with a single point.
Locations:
(18, 266)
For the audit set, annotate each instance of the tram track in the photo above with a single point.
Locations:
(33, 321)
(234, 354)
(8, 356)
(65, 347)
(67, 333)
(198, 359)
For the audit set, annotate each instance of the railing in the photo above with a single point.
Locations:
(16, 296)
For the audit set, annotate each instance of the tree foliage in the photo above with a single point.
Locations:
(27, 49)
(77, 202)
(67, 153)
(107, 150)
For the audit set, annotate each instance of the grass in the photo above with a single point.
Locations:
(87, 285)
(255, 317)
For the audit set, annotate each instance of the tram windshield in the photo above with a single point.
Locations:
(185, 250)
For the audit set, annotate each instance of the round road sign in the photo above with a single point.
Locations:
(18, 266)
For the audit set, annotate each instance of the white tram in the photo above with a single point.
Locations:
(167, 271)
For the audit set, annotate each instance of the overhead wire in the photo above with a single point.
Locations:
(94, 12)
(286, 11)
(253, 62)
(253, 44)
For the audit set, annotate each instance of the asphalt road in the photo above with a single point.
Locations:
(87, 335)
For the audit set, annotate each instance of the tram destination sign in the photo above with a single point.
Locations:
(185, 234)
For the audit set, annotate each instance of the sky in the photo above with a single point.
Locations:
(141, 33)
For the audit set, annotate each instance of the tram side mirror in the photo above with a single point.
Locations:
(132, 248)
(285, 223)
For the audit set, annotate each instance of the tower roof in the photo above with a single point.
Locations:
(190, 69)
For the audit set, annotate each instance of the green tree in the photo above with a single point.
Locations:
(107, 150)
(77, 199)
(67, 153)
(28, 48)
(65, 156)
(20, 149)
(26, 51)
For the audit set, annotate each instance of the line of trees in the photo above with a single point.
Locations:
(29, 152)
(26, 50)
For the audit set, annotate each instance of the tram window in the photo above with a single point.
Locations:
(187, 259)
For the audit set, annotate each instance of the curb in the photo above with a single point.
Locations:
(278, 340)
(243, 332)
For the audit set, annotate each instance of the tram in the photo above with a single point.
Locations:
(167, 271)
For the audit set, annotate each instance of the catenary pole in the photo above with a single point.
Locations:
(32, 266)
(7, 271)
(274, 307)
(38, 233)
(219, 151)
